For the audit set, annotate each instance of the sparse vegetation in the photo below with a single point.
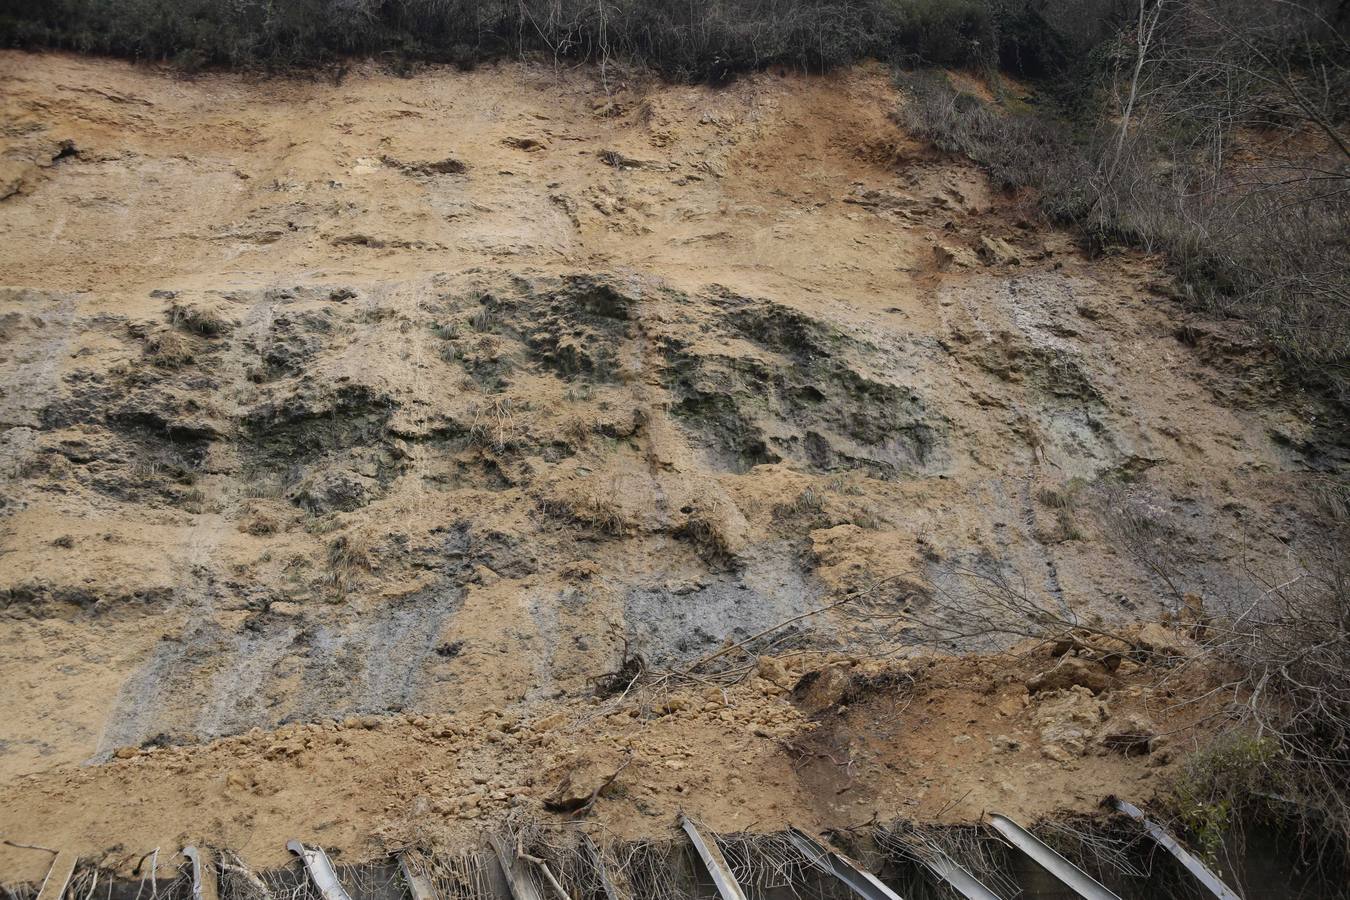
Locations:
(602, 513)
(1212, 133)
(263, 486)
(867, 517)
(1166, 143)
(494, 422)
(193, 500)
(1288, 655)
(261, 525)
(169, 349)
(199, 320)
(808, 504)
(1282, 660)
(695, 41)
(705, 527)
(577, 429)
(1156, 100)
(484, 319)
(349, 554)
(847, 483)
(1063, 501)
(1150, 536)
(588, 508)
(1216, 787)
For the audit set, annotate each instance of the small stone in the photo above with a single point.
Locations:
(1056, 753)
(582, 779)
(1165, 642)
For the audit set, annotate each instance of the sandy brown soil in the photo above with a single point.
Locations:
(436, 399)
(929, 740)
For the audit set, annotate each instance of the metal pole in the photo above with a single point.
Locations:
(1074, 878)
(1212, 882)
(714, 862)
(832, 862)
(204, 883)
(320, 869)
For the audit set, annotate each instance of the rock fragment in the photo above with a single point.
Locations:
(582, 779)
(1071, 671)
(997, 252)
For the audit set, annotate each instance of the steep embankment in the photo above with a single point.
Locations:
(452, 395)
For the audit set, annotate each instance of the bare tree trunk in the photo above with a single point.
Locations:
(1144, 29)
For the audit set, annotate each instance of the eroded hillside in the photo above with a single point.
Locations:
(417, 417)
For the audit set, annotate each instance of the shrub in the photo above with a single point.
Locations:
(1268, 245)
(199, 320)
(169, 349)
(348, 555)
(1285, 662)
(702, 39)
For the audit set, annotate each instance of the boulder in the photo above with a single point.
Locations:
(949, 256)
(334, 489)
(1131, 735)
(996, 252)
(822, 689)
(1165, 642)
(581, 779)
(773, 671)
(1068, 722)
(1072, 671)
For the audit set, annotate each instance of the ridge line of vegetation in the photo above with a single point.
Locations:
(688, 40)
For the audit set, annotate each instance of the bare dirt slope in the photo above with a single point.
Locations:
(450, 395)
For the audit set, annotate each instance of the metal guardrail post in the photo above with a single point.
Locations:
(205, 885)
(832, 862)
(58, 876)
(1072, 877)
(613, 889)
(320, 869)
(714, 862)
(967, 885)
(1213, 883)
(419, 886)
(518, 878)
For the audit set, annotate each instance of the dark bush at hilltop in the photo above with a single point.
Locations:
(685, 39)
